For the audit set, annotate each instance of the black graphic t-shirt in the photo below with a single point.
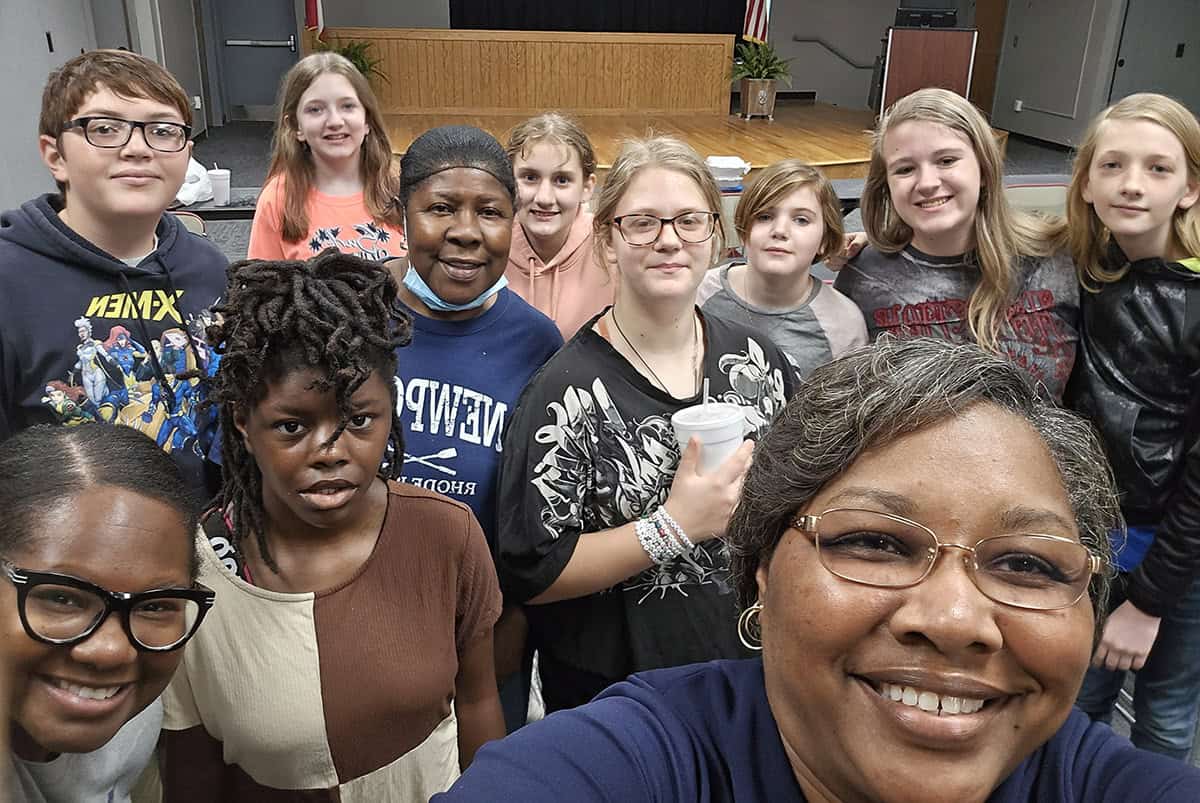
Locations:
(911, 294)
(590, 448)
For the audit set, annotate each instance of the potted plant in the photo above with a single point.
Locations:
(758, 67)
(359, 54)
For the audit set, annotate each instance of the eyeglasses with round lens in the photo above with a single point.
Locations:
(690, 227)
(62, 610)
(113, 132)
(1025, 570)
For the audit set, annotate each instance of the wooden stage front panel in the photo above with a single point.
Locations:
(830, 137)
(437, 71)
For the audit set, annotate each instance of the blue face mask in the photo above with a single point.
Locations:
(416, 285)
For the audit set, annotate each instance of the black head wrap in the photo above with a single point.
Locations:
(449, 146)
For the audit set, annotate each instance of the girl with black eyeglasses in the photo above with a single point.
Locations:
(607, 532)
(97, 598)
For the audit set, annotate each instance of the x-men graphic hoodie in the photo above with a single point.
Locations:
(85, 337)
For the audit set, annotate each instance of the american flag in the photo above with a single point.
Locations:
(314, 17)
(758, 12)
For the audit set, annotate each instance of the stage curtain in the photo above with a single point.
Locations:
(618, 16)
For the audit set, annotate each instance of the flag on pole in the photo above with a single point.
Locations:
(314, 17)
(758, 13)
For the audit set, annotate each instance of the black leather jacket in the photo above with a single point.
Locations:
(1137, 377)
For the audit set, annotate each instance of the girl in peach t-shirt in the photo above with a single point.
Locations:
(331, 182)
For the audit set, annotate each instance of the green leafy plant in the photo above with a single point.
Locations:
(359, 54)
(758, 60)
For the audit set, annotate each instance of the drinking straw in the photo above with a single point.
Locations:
(704, 400)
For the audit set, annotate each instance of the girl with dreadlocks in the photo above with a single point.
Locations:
(354, 656)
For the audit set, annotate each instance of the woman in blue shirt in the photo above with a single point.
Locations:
(921, 547)
(475, 343)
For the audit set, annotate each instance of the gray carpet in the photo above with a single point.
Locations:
(242, 148)
(232, 237)
(1026, 156)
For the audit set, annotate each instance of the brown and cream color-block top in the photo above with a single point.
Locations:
(340, 695)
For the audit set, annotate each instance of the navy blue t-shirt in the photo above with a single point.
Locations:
(457, 383)
(705, 733)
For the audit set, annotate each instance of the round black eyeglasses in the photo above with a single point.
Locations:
(62, 610)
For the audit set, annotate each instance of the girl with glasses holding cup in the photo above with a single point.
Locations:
(97, 598)
(609, 533)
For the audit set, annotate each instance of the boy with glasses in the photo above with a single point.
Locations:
(98, 286)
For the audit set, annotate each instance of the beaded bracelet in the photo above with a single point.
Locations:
(652, 541)
(661, 536)
(670, 528)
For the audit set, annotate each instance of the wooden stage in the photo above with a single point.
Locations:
(830, 137)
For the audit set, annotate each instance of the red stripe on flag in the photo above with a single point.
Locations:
(314, 16)
(755, 26)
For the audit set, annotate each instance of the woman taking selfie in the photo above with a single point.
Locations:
(921, 547)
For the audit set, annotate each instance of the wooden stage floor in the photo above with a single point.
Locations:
(830, 137)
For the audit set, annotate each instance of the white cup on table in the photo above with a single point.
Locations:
(219, 177)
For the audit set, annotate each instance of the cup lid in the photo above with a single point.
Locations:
(708, 416)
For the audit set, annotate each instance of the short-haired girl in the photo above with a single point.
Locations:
(552, 264)
(948, 257)
(353, 656)
(331, 183)
(592, 474)
(789, 218)
(1134, 228)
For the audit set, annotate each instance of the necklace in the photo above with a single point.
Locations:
(638, 354)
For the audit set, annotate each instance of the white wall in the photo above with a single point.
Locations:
(26, 62)
(143, 35)
(108, 17)
(1057, 60)
(179, 51)
(387, 13)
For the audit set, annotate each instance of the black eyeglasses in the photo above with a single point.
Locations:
(1025, 570)
(113, 132)
(62, 610)
(690, 227)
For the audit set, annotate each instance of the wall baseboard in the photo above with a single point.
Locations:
(787, 94)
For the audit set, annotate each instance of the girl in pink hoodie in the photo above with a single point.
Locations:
(551, 263)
